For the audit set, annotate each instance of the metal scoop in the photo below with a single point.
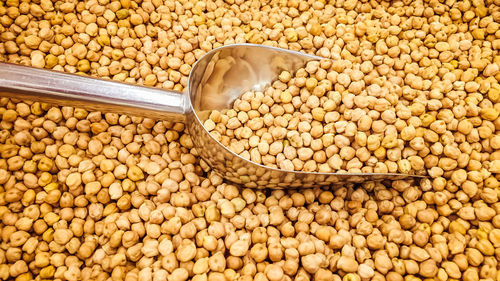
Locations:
(215, 81)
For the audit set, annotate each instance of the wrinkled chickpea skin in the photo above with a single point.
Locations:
(406, 86)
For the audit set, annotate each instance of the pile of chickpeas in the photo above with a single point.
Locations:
(406, 86)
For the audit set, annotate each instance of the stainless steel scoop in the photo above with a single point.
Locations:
(215, 81)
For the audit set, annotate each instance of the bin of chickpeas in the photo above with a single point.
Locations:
(403, 87)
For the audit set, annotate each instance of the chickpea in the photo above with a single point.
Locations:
(402, 89)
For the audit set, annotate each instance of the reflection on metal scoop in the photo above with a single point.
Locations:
(215, 81)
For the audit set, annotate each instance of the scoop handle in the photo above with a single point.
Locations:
(65, 89)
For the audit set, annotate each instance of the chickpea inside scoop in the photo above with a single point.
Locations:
(216, 81)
